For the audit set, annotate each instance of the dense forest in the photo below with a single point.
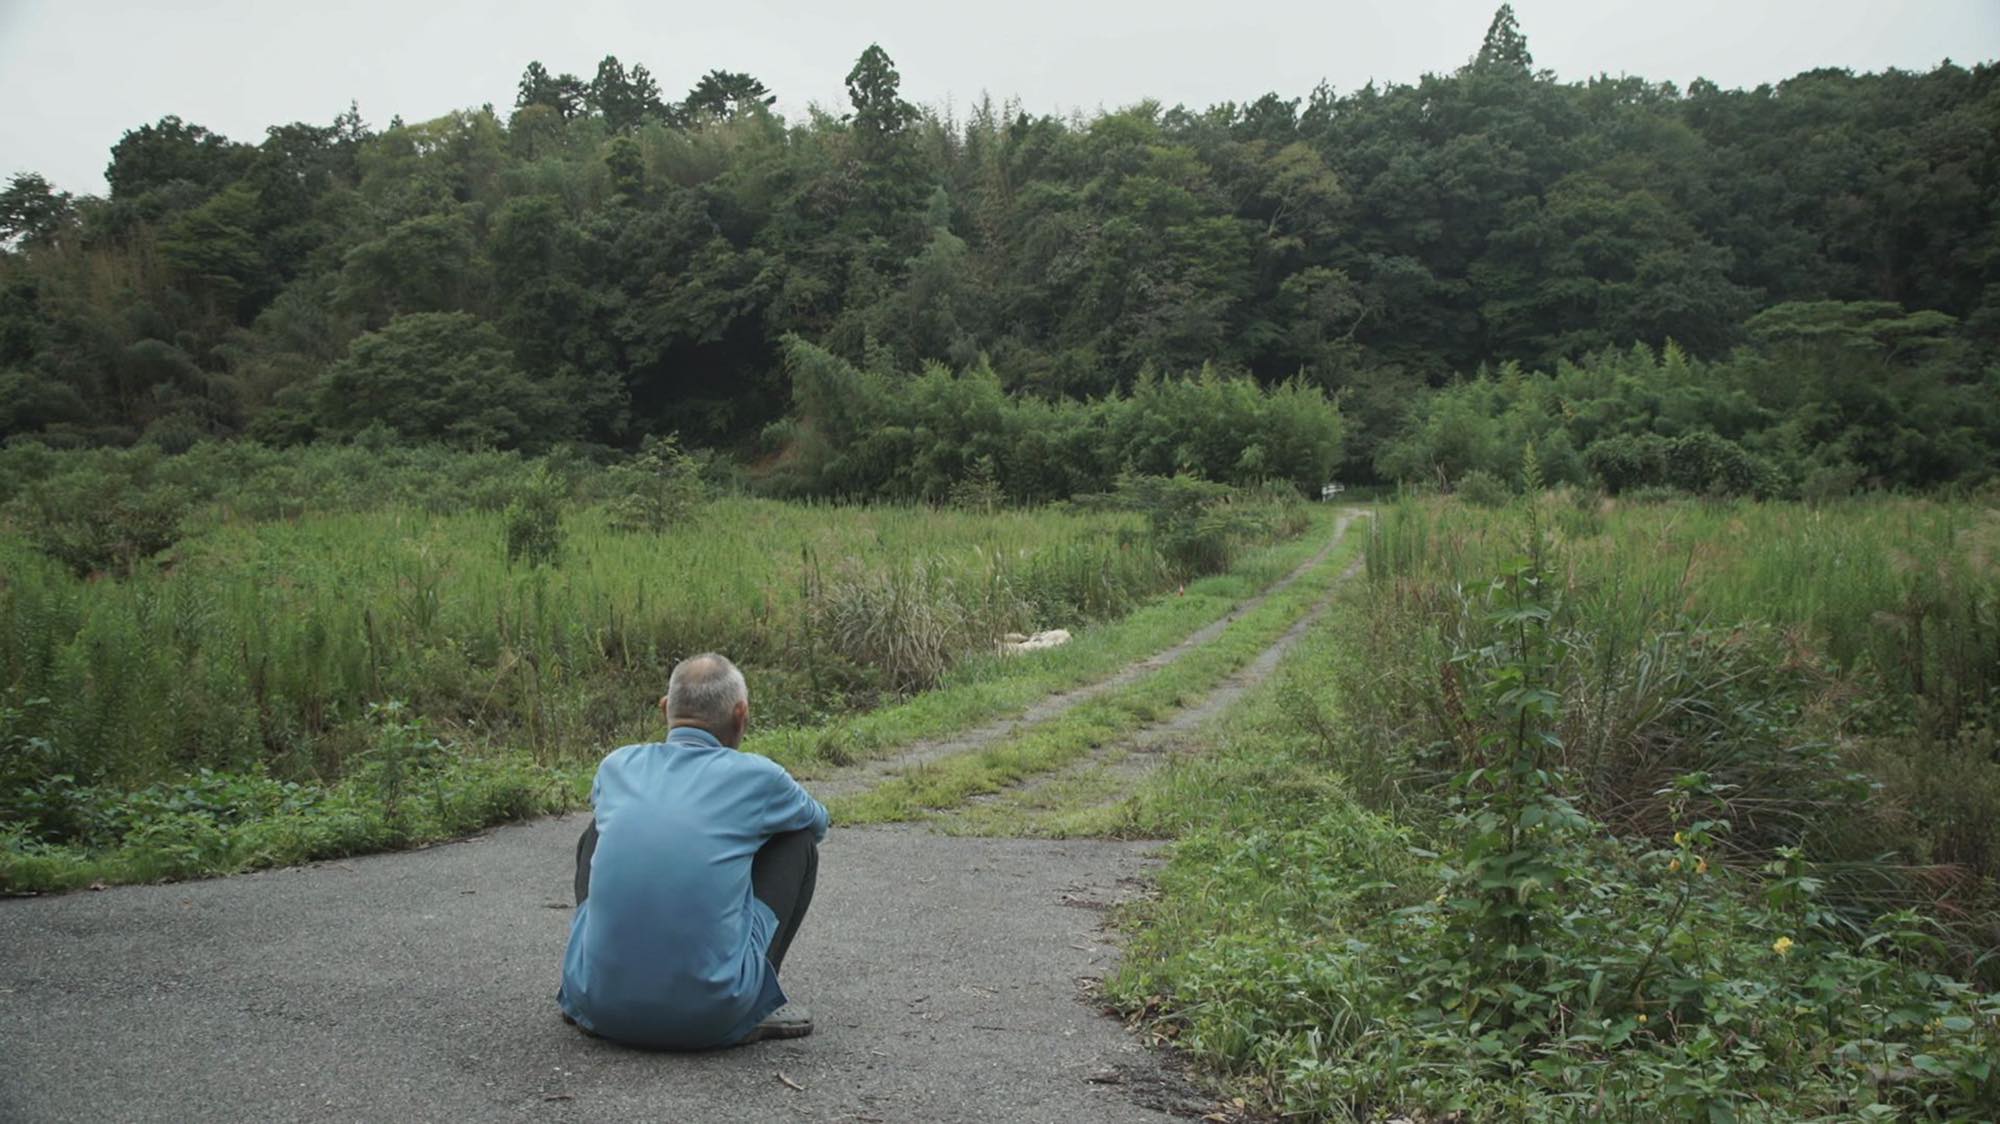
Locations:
(1791, 288)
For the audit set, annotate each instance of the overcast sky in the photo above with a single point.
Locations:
(75, 74)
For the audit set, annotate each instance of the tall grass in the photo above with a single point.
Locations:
(267, 641)
(1642, 812)
(1833, 671)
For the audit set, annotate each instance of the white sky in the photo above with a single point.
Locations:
(75, 74)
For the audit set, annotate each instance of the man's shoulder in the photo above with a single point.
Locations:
(765, 770)
(624, 755)
(759, 763)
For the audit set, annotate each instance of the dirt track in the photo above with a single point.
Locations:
(918, 753)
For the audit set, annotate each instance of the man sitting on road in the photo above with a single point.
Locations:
(692, 880)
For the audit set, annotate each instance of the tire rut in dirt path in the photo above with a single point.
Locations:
(861, 777)
(1146, 749)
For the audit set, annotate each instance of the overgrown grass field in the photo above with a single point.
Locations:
(1593, 810)
(369, 674)
(268, 641)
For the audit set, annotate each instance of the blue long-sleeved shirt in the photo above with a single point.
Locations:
(669, 948)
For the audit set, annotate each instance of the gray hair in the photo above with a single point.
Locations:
(704, 690)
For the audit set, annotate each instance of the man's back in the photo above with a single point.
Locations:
(669, 947)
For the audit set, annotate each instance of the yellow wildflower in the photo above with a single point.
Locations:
(1701, 866)
(1782, 946)
(1680, 839)
(1674, 867)
(1642, 1020)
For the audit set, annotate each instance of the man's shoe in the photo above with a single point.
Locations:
(788, 1021)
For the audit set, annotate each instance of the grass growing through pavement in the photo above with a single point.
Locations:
(1050, 745)
(1093, 801)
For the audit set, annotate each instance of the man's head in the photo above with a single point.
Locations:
(707, 691)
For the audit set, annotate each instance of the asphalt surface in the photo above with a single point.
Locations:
(943, 976)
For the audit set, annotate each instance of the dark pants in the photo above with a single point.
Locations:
(782, 876)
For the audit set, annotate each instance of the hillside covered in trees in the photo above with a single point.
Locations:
(1768, 290)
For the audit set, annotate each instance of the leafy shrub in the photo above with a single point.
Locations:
(218, 822)
(33, 788)
(442, 376)
(1705, 464)
(657, 488)
(864, 433)
(979, 490)
(1482, 489)
(92, 520)
(1700, 463)
(1195, 524)
(533, 520)
(1628, 461)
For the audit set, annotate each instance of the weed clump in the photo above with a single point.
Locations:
(533, 520)
(94, 521)
(658, 488)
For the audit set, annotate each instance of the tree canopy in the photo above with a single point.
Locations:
(641, 258)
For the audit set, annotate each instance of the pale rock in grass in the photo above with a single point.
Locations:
(1013, 644)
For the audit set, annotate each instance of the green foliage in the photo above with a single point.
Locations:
(103, 518)
(1504, 48)
(633, 264)
(879, 112)
(979, 490)
(1568, 867)
(213, 822)
(248, 706)
(1192, 521)
(725, 93)
(862, 433)
(1784, 419)
(443, 376)
(32, 211)
(1699, 463)
(533, 521)
(1483, 489)
(656, 490)
(314, 584)
(1812, 667)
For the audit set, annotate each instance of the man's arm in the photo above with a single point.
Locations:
(586, 846)
(789, 807)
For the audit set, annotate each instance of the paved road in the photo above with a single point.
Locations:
(419, 987)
